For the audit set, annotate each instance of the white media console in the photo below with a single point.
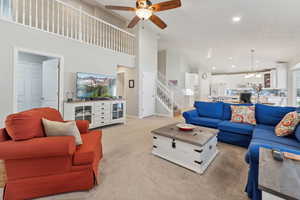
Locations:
(98, 113)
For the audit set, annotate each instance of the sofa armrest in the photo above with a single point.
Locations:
(38, 148)
(188, 115)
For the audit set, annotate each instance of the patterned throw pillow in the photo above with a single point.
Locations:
(288, 124)
(243, 114)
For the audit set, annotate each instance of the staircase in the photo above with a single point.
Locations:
(169, 97)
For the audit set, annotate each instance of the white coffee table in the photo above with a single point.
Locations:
(194, 150)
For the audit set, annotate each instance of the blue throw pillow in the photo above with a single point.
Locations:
(210, 109)
(227, 109)
(271, 115)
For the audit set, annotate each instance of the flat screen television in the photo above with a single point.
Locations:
(95, 86)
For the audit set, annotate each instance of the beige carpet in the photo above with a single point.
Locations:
(130, 172)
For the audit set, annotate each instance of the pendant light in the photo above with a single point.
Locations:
(250, 75)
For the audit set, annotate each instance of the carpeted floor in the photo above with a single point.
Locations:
(130, 172)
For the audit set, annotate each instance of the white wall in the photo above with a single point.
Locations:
(78, 57)
(174, 65)
(295, 65)
(147, 59)
(204, 86)
(162, 62)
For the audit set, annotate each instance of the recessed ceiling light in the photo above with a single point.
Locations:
(233, 66)
(213, 68)
(230, 58)
(236, 19)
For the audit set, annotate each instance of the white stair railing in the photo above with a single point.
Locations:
(165, 96)
(55, 16)
(178, 93)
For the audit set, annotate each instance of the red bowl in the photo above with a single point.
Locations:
(186, 129)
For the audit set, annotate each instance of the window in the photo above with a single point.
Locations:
(5, 6)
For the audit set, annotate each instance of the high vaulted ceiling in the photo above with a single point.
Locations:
(203, 30)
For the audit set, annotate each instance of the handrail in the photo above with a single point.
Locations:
(178, 94)
(60, 18)
(96, 18)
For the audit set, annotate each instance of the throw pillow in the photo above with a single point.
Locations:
(22, 126)
(243, 114)
(53, 128)
(288, 124)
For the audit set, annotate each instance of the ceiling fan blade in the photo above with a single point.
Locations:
(166, 5)
(124, 8)
(160, 23)
(133, 22)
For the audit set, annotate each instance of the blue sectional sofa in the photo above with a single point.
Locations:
(218, 115)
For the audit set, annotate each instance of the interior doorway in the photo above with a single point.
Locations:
(121, 85)
(37, 81)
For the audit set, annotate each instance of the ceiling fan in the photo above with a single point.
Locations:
(145, 10)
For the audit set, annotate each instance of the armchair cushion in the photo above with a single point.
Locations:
(23, 126)
(38, 148)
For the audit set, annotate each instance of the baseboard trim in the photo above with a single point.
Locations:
(132, 117)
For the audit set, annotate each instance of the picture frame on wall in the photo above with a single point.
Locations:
(131, 83)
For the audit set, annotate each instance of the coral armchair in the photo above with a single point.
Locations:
(49, 165)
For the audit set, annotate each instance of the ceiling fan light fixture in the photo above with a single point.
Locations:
(143, 13)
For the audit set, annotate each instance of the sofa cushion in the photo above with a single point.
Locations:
(271, 115)
(23, 126)
(204, 121)
(227, 109)
(243, 114)
(257, 143)
(288, 124)
(297, 133)
(210, 109)
(233, 127)
(269, 136)
(53, 128)
(85, 153)
(266, 127)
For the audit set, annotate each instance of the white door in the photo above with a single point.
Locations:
(148, 94)
(28, 86)
(50, 83)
